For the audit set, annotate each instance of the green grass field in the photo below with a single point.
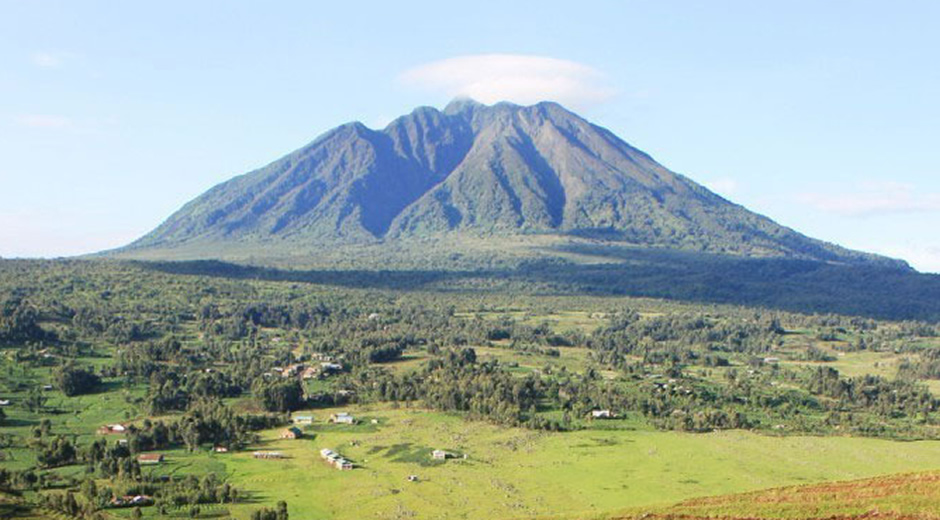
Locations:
(514, 473)
(854, 364)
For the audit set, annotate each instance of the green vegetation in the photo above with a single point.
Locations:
(108, 365)
(519, 473)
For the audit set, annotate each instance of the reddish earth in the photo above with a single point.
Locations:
(912, 496)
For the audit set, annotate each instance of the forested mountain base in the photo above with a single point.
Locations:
(107, 365)
(608, 270)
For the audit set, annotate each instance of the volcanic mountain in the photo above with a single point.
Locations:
(470, 173)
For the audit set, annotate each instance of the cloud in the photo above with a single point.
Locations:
(44, 121)
(873, 199)
(725, 186)
(46, 60)
(923, 257)
(490, 78)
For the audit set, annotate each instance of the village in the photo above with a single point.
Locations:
(294, 432)
(320, 366)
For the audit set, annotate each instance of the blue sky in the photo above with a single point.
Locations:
(822, 115)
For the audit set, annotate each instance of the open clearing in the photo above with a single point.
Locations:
(514, 473)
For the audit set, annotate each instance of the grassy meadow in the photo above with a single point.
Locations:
(516, 473)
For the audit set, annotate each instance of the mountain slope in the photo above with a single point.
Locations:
(496, 171)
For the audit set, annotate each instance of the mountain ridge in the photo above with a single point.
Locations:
(503, 170)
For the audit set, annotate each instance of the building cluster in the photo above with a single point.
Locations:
(131, 501)
(672, 386)
(316, 370)
(335, 459)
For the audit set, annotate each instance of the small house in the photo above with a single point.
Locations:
(109, 429)
(342, 418)
(412, 478)
(150, 458)
(439, 455)
(601, 414)
(335, 459)
(292, 433)
(771, 360)
(267, 455)
(220, 449)
(4, 402)
(303, 419)
(329, 367)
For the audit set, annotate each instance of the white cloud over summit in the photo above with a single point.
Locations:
(523, 79)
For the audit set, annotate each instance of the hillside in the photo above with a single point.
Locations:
(904, 496)
(465, 173)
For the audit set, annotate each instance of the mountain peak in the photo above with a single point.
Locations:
(490, 171)
(461, 105)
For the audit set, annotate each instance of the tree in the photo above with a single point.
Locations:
(57, 453)
(19, 322)
(73, 380)
(35, 400)
(279, 396)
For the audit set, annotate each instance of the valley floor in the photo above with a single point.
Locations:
(515, 473)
